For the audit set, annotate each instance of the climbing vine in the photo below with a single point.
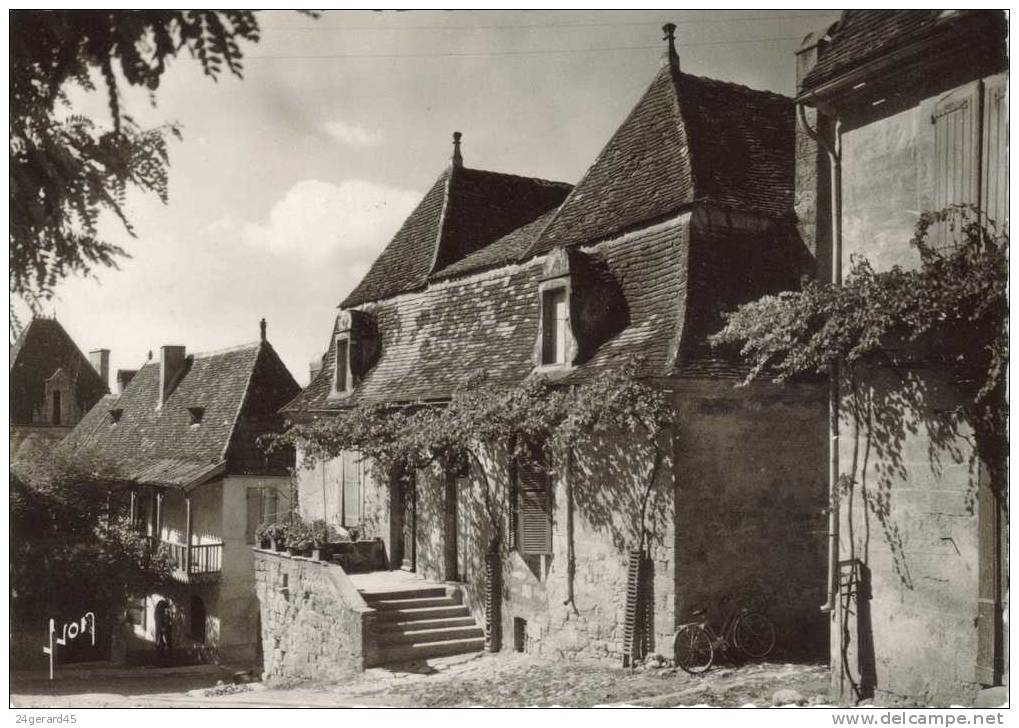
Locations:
(951, 311)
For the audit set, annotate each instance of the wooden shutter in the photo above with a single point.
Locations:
(956, 156)
(535, 510)
(351, 478)
(994, 175)
(254, 508)
(990, 576)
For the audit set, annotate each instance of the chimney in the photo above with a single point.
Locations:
(100, 359)
(124, 377)
(670, 58)
(458, 160)
(314, 367)
(172, 360)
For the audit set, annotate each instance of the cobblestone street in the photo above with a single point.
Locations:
(486, 680)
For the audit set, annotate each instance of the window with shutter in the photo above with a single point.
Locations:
(351, 472)
(262, 506)
(342, 368)
(555, 319)
(994, 175)
(534, 511)
(956, 122)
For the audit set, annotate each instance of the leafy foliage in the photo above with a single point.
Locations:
(66, 169)
(73, 545)
(533, 420)
(952, 311)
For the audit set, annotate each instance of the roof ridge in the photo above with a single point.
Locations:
(242, 400)
(740, 86)
(443, 220)
(542, 180)
(220, 352)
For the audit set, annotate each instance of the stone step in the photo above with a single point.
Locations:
(420, 636)
(425, 650)
(410, 593)
(429, 623)
(418, 613)
(414, 603)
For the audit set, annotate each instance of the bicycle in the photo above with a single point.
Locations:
(745, 632)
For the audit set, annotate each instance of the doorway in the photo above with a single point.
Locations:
(405, 517)
(451, 544)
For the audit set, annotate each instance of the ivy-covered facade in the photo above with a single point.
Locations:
(686, 212)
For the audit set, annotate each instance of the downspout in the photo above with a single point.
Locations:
(834, 151)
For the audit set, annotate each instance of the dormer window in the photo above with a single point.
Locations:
(116, 414)
(342, 380)
(355, 349)
(197, 413)
(555, 320)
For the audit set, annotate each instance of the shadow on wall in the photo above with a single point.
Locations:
(907, 433)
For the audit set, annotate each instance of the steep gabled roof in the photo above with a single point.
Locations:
(162, 445)
(863, 35)
(688, 139)
(41, 349)
(463, 212)
(431, 340)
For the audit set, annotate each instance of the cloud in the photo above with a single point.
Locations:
(353, 135)
(316, 219)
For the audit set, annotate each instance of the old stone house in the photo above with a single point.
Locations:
(687, 211)
(52, 386)
(904, 112)
(182, 436)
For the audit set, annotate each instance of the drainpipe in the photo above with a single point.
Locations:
(834, 152)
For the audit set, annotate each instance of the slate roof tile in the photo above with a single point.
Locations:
(688, 139)
(43, 347)
(162, 446)
(463, 212)
(861, 36)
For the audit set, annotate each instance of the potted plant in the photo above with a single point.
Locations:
(323, 536)
(273, 535)
(263, 535)
(299, 538)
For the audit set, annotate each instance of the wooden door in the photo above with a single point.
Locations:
(450, 526)
(408, 492)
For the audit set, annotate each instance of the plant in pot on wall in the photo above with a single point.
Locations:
(323, 536)
(271, 535)
(299, 538)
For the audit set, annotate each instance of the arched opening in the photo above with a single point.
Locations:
(197, 626)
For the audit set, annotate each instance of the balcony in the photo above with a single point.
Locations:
(197, 564)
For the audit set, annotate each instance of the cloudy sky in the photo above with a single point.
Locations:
(288, 184)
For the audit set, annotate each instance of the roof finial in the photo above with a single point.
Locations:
(670, 57)
(150, 354)
(458, 161)
(261, 328)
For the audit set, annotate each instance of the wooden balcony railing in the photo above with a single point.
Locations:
(196, 563)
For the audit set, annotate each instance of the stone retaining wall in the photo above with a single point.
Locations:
(314, 624)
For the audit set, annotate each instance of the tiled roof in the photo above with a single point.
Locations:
(433, 339)
(863, 35)
(162, 446)
(464, 211)
(507, 249)
(688, 139)
(42, 348)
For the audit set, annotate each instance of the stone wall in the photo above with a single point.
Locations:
(750, 506)
(909, 518)
(314, 623)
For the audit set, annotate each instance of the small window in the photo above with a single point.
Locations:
(555, 319)
(197, 413)
(56, 408)
(342, 346)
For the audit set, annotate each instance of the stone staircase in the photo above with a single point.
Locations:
(420, 620)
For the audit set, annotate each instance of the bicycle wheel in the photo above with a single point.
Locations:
(754, 635)
(692, 648)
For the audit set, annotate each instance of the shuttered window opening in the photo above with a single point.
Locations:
(351, 476)
(956, 157)
(994, 176)
(262, 506)
(535, 510)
